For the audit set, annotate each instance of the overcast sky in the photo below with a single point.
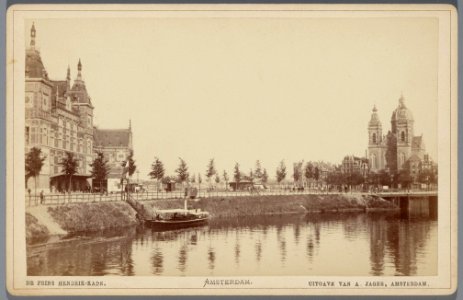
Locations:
(239, 90)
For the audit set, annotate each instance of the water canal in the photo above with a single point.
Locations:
(360, 244)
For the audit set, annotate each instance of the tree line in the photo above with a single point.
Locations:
(212, 175)
(69, 164)
(312, 172)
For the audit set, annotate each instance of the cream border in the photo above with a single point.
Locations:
(444, 283)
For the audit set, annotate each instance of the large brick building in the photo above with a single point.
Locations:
(59, 119)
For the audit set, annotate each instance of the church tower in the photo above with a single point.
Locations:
(375, 142)
(402, 128)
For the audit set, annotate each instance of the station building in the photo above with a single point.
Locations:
(59, 119)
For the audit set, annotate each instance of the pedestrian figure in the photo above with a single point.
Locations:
(41, 197)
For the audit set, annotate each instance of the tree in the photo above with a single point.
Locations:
(309, 172)
(157, 171)
(391, 153)
(281, 171)
(372, 179)
(237, 175)
(264, 176)
(225, 178)
(200, 180)
(297, 171)
(384, 178)
(100, 169)
(404, 176)
(217, 179)
(258, 172)
(354, 179)
(193, 178)
(69, 165)
(168, 179)
(182, 171)
(131, 164)
(210, 171)
(128, 168)
(251, 175)
(426, 176)
(34, 163)
(316, 174)
(336, 178)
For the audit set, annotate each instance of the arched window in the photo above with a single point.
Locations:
(374, 138)
(402, 136)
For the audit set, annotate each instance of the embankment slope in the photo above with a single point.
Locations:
(43, 221)
(229, 207)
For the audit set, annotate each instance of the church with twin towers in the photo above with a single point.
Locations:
(400, 147)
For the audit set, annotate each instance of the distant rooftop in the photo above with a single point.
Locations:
(112, 137)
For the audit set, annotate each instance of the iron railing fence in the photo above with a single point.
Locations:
(59, 199)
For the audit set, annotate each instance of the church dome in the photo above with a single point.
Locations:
(401, 113)
(374, 121)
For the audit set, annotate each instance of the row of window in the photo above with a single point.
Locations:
(35, 135)
(45, 106)
(42, 101)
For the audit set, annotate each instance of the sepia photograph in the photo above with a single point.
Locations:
(230, 149)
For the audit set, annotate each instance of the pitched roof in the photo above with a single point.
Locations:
(79, 93)
(60, 86)
(111, 137)
(34, 65)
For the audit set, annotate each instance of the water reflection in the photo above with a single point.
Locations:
(315, 244)
(237, 252)
(258, 250)
(157, 260)
(211, 258)
(182, 258)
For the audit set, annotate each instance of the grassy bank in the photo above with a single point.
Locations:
(93, 216)
(43, 221)
(35, 232)
(273, 205)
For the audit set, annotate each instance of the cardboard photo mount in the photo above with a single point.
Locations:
(444, 283)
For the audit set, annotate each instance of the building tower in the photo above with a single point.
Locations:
(375, 142)
(68, 79)
(82, 102)
(32, 44)
(38, 108)
(402, 128)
